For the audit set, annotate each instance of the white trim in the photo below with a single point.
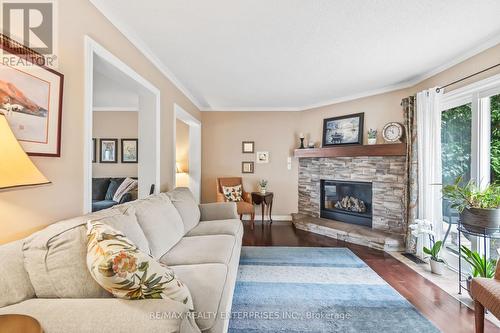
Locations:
(116, 109)
(144, 49)
(258, 218)
(91, 48)
(486, 87)
(194, 149)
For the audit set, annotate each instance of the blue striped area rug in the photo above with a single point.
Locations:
(304, 289)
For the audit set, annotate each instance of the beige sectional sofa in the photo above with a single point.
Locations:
(45, 275)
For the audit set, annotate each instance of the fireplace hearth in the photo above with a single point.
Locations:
(347, 201)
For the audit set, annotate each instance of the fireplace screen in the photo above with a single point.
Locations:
(349, 202)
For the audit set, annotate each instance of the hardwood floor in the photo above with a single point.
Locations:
(447, 313)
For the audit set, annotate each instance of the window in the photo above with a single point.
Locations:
(470, 137)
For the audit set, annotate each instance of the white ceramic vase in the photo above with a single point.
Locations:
(437, 267)
(372, 141)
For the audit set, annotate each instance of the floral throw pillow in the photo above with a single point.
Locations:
(122, 269)
(233, 193)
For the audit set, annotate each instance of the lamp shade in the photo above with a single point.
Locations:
(16, 168)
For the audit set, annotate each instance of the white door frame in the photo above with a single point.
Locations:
(92, 48)
(194, 149)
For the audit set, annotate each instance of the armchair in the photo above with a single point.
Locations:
(486, 294)
(243, 207)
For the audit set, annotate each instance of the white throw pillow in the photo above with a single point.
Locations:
(126, 186)
(118, 266)
(233, 193)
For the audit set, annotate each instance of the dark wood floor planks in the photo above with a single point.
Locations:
(447, 313)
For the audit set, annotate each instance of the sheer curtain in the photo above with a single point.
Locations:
(429, 159)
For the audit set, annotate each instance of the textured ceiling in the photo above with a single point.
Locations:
(295, 54)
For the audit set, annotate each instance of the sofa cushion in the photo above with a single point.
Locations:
(121, 268)
(55, 259)
(206, 283)
(201, 250)
(15, 285)
(104, 204)
(160, 222)
(186, 205)
(219, 227)
(114, 184)
(99, 188)
(107, 315)
(128, 225)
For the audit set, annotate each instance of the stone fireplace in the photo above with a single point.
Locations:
(384, 200)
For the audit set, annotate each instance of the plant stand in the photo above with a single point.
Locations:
(483, 234)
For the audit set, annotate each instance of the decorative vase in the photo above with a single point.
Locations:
(437, 267)
(481, 220)
(263, 190)
(372, 141)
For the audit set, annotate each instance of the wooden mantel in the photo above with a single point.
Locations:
(395, 149)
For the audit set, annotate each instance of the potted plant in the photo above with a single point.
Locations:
(372, 136)
(480, 266)
(437, 263)
(479, 208)
(263, 186)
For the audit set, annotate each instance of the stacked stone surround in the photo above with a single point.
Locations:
(387, 175)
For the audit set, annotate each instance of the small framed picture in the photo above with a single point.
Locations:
(247, 147)
(262, 157)
(247, 167)
(109, 151)
(130, 150)
(94, 150)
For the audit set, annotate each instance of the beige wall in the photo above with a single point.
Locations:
(278, 132)
(114, 125)
(182, 153)
(24, 210)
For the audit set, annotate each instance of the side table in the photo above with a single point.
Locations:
(265, 199)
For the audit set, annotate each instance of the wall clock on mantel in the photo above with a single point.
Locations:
(393, 132)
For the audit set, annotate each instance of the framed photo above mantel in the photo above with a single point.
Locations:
(343, 130)
(31, 97)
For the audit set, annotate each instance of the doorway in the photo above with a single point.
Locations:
(112, 88)
(187, 151)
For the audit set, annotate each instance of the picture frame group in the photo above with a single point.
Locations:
(262, 157)
(108, 150)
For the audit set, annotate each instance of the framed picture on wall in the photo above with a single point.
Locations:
(344, 130)
(262, 157)
(247, 147)
(109, 150)
(31, 97)
(94, 150)
(247, 167)
(130, 150)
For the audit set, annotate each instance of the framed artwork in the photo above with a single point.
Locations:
(130, 150)
(31, 97)
(344, 130)
(94, 150)
(247, 167)
(109, 150)
(247, 147)
(262, 157)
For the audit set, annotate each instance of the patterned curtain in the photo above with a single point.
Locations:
(411, 197)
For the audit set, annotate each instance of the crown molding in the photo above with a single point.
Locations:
(489, 42)
(144, 49)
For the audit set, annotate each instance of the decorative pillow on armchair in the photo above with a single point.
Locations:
(121, 268)
(233, 193)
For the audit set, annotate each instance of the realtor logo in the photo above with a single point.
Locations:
(30, 23)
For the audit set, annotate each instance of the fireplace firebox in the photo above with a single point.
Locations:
(347, 201)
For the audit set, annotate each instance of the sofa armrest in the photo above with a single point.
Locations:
(218, 211)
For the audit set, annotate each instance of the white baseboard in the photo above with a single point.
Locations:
(275, 218)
